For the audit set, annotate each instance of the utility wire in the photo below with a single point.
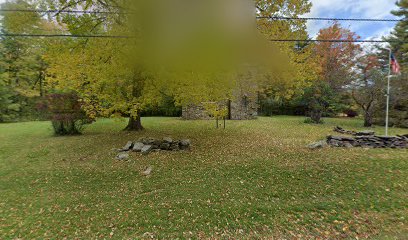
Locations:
(128, 37)
(62, 35)
(261, 17)
(338, 40)
(61, 11)
(331, 19)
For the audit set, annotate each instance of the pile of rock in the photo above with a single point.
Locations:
(344, 131)
(369, 141)
(147, 145)
(354, 133)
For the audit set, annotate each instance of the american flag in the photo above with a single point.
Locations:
(395, 67)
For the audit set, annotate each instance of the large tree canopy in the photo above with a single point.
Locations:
(191, 54)
(337, 59)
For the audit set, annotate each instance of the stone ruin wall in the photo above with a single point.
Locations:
(195, 112)
(243, 108)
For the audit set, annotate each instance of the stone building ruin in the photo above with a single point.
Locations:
(244, 106)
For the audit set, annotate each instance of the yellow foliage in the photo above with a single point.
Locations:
(206, 63)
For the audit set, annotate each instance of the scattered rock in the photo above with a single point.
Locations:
(317, 145)
(122, 156)
(175, 146)
(150, 141)
(146, 149)
(147, 141)
(157, 143)
(168, 140)
(165, 146)
(147, 145)
(137, 147)
(185, 144)
(348, 145)
(148, 235)
(147, 171)
(128, 146)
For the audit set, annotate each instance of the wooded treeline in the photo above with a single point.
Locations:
(352, 79)
(156, 72)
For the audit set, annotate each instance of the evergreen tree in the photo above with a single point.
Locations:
(400, 34)
(399, 84)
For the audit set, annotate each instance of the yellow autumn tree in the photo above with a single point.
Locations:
(194, 56)
(301, 60)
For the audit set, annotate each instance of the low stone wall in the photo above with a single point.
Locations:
(148, 145)
(364, 139)
(354, 133)
(371, 141)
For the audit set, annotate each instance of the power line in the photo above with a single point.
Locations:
(62, 35)
(331, 19)
(61, 11)
(260, 17)
(337, 40)
(128, 37)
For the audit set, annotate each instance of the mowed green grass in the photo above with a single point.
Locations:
(256, 179)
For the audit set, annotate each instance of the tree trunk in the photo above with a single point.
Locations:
(41, 84)
(368, 119)
(135, 124)
(316, 116)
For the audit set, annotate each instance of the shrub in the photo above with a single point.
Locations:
(321, 100)
(311, 121)
(9, 109)
(65, 112)
(167, 107)
(351, 113)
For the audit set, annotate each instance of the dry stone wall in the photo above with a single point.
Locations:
(363, 139)
(368, 141)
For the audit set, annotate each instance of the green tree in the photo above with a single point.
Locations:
(400, 33)
(320, 99)
(399, 112)
(334, 69)
(399, 83)
(8, 108)
(368, 87)
(22, 67)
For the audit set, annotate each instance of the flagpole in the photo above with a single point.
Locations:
(387, 115)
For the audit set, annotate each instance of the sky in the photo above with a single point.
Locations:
(352, 9)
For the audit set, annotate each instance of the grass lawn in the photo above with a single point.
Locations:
(255, 179)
